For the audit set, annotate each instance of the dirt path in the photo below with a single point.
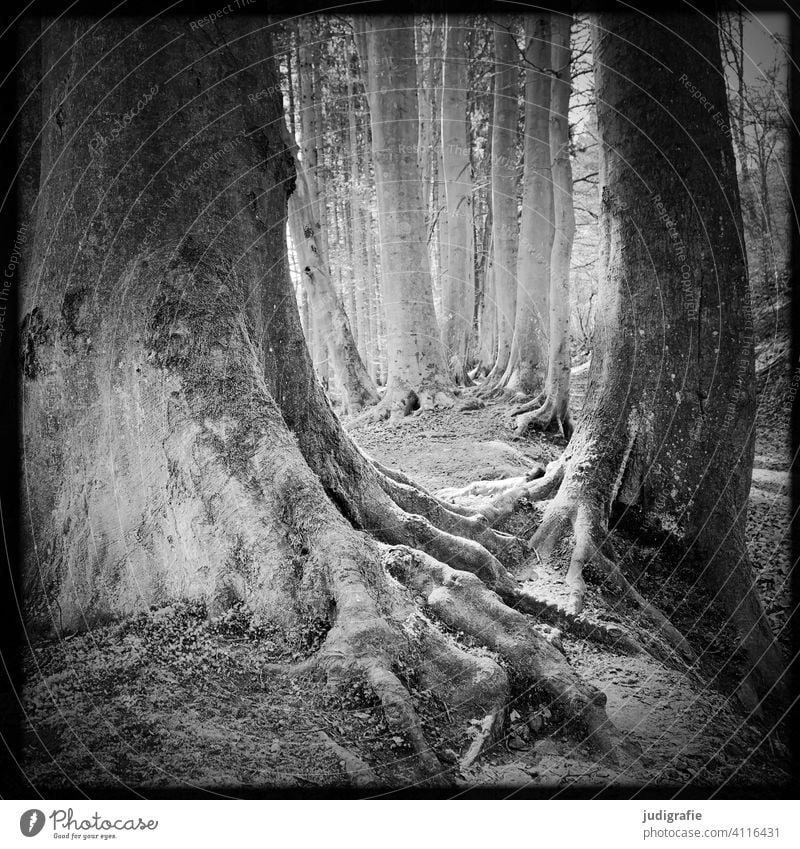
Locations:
(167, 700)
(686, 731)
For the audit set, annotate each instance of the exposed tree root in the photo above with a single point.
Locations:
(396, 406)
(452, 518)
(497, 499)
(582, 520)
(548, 416)
(465, 603)
(489, 730)
(554, 614)
(533, 404)
(399, 477)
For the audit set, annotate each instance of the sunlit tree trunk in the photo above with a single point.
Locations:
(331, 328)
(551, 409)
(418, 377)
(505, 229)
(458, 283)
(527, 363)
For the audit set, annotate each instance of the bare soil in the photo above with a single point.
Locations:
(171, 701)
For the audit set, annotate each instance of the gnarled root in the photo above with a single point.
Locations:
(533, 404)
(497, 499)
(550, 415)
(452, 518)
(397, 404)
(465, 603)
(582, 520)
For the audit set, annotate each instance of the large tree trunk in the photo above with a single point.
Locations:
(458, 283)
(550, 410)
(176, 442)
(667, 430)
(505, 229)
(418, 377)
(527, 364)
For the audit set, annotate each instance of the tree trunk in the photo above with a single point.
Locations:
(328, 317)
(458, 284)
(176, 442)
(418, 377)
(551, 409)
(359, 282)
(505, 229)
(668, 424)
(666, 436)
(527, 362)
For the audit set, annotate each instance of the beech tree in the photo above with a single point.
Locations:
(527, 364)
(667, 430)
(458, 284)
(550, 409)
(418, 378)
(329, 316)
(176, 442)
(505, 229)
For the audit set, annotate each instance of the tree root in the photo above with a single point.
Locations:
(554, 614)
(397, 406)
(489, 730)
(548, 416)
(399, 477)
(533, 404)
(497, 499)
(452, 518)
(582, 520)
(463, 602)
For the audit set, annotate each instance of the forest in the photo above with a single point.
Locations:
(404, 402)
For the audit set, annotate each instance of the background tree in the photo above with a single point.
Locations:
(527, 364)
(671, 445)
(418, 376)
(505, 228)
(328, 315)
(551, 408)
(458, 283)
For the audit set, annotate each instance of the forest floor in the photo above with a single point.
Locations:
(168, 701)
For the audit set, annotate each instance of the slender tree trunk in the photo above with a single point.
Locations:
(417, 372)
(487, 320)
(551, 410)
(376, 314)
(329, 320)
(458, 284)
(292, 31)
(527, 365)
(360, 281)
(505, 229)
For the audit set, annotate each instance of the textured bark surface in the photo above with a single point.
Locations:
(176, 442)
(505, 229)
(675, 439)
(458, 283)
(418, 376)
(328, 313)
(550, 410)
(527, 362)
